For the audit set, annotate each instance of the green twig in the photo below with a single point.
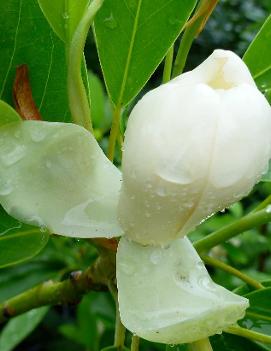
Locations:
(185, 46)
(70, 290)
(51, 293)
(78, 99)
(120, 330)
(135, 343)
(263, 204)
(251, 220)
(193, 28)
(249, 334)
(229, 269)
(200, 345)
(168, 65)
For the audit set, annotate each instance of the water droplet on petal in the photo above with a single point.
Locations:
(268, 209)
(5, 188)
(13, 156)
(155, 257)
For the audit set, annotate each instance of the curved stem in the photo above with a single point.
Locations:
(119, 337)
(168, 64)
(78, 99)
(193, 28)
(185, 46)
(114, 132)
(250, 221)
(263, 204)
(51, 293)
(200, 345)
(225, 267)
(135, 343)
(249, 334)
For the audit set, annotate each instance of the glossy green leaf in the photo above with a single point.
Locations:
(20, 327)
(21, 243)
(7, 114)
(26, 38)
(258, 57)
(133, 36)
(63, 15)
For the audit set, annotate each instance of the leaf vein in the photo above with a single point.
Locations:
(14, 48)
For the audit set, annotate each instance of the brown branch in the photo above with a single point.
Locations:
(68, 291)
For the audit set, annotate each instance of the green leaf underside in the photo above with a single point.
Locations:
(63, 15)
(20, 327)
(20, 244)
(26, 38)
(258, 58)
(128, 32)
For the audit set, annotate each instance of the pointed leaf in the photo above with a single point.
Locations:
(26, 38)
(258, 58)
(21, 245)
(56, 175)
(20, 327)
(7, 114)
(63, 15)
(128, 32)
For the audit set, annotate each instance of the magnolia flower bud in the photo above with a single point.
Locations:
(193, 146)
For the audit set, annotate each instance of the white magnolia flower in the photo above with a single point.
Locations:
(193, 146)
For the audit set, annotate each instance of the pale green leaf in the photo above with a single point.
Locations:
(20, 327)
(19, 243)
(7, 114)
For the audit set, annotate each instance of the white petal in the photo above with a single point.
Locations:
(166, 294)
(56, 175)
(192, 147)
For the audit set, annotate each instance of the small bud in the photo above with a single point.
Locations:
(193, 146)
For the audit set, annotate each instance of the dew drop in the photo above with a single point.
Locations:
(65, 15)
(43, 229)
(37, 134)
(110, 22)
(14, 156)
(48, 164)
(161, 191)
(127, 269)
(268, 209)
(5, 188)
(155, 257)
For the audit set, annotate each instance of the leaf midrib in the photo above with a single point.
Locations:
(19, 234)
(129, 55)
